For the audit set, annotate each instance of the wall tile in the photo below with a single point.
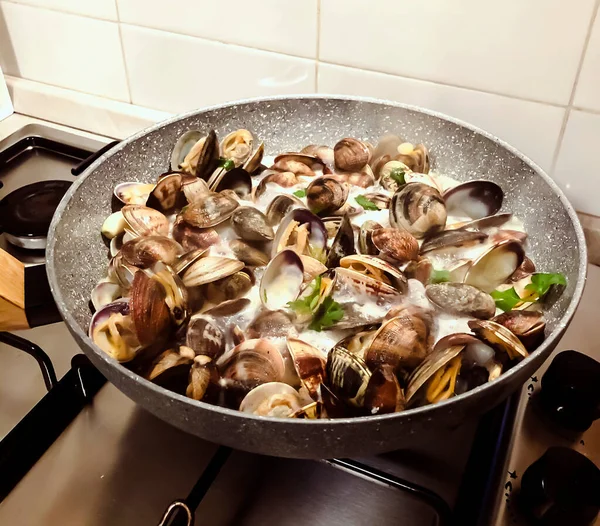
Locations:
(287, 26)
(63, 50)
(162, 75)
(511, 47)
(577, 166)
(529, 126)
(105, 9)
(588, 87)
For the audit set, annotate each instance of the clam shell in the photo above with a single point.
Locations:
(383, 394)
(186, 151)
(500, 338)
(325, 195)
(193, 188)
(475, 199)
(376, 268)
(251, 224)
(229, 288)
(280, 206)
(133, 193)
(347, 376)
(167, 194)
(194, 238)
(143, 252)
(238, 180)
(204, 336)
(314, 242)
(210, 268)
(351, 155)
(452, 238)
(248, 254)
(309, 363)
(418, 209)
(528, 326)
(209, 210)
(343, 243)
(461, 299)
(113, 225)
(202, 374)
(104, 293)
(282, 280)
(312, 268)
(229, 307)
(254, 161)
(208, 158)
(237, 146)
(496, 265)
(145, 221)
(398, 245)
(149, 309)
(272, 399)
(365, 238)
(271, 324)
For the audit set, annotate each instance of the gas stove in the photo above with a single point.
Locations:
(77, 451)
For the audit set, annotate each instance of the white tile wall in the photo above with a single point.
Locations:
(532, 127)
(509, 67)
(588, 88)
(65, 50)
(177, 73)
(577, 166)
(514, 47)
(287, 26)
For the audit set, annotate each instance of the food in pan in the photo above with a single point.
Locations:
(329, 282)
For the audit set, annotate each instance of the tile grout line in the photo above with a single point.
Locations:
(569, 107)
(61, 11)
(318, 46)
(123, 53)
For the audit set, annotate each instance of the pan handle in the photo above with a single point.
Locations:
(177, 514)
(78, 170)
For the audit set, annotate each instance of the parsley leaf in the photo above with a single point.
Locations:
(506, 299)
(541, 282)
(327, 315)
(300, 193)
(228, 164)
(439, 276)
(307, 304)
(397, 174)
(366, 203)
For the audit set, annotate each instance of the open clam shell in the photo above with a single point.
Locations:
(168, 193)
(452, 238)
(282, 280)
(500, 338)
(210, 268)
(186, 151)
(528, 326)
(309, 363)
(365, 238)
(133, 193)
(302, 231)
(280, 206)
(383, 394)
(347, 376)
(273, 399)
(343, 243)
(104, 293)
(238, 180)
(496, 265)
(482, 224)
(237, 146)
(208, 159)
(376, 268)
(254, 161)
(171, 369)
(203, 374)
(474, 199)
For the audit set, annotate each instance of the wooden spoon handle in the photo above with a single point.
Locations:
(12, 293)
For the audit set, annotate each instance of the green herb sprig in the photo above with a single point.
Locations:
(367, 204)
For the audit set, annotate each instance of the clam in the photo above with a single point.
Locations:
(462, 299)
(229, 307)
(237, 180)
(419, 209)
(143, 221)
(283, 179)
(186, 151)
(171, 369)
(273, 399)
(380, 200)
(483, 223)
(254, 161)
(210, 268)
(185, 260)
(202, 374)
(104, 293)
(452, 238)
(312, 161)
(312, 267)
(251, 224)
(362, 179)
(343, 243)
(395, 244)
(143, 252)
(237, 146)
(526, 268)
(121, 272)
(292, 164)
(133, 193)
(280, 206)
(365, 238)
(149, 310)
(167, 194)
(282, 280)
(474, 199)
(309, 363)
(271, 324)
(419, 269)
(112, 330)
(347, 376)
(495, 266)
(500, 338)
(528, 326)
(392, 175)
(376, 268)
(351, 155)
(325, 195)
(303, 232)
(415, 157)
(204, 336)
(229, 288)
(383, 393)
(428, 179)
(208, 159)
(113, 225)
(248, 254)
(193, 188)
(176, 292)
(209, 210)
(194, 238)
(387, 146)
(401, 342)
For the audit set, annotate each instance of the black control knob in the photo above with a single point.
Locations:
(561, 488)
(570, 393)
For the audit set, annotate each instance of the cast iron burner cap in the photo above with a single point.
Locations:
(27, 211)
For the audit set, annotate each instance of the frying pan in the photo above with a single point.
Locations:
(77, 258)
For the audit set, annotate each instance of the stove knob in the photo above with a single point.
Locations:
(561, 488)
(570, 393)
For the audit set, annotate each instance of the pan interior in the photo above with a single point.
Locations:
(78, 255)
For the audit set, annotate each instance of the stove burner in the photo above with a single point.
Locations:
(26, 213)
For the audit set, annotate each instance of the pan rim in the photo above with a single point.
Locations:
(559, 329)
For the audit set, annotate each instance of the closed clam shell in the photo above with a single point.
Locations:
(309, 363)
(273, 399)
(418, 209)
(251, 224)
(395, 244)
(210, 268)
(351, 155)
(282, 280)
(229, 288)
(143, 252)
(209, 210)
(289, 163)
(496, 265)
(325, 195)
(185, 260)
(248, 254)
(312, 267)
(193, 238)
(144, 221)
(461, 299)
(271, 324)
(383, 394)
(149, 310)
(229, 307)
(376, 268)
(205, 337)
(365, 238)
(347, 376)
(474, 199)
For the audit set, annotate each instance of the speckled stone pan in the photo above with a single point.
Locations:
(77, 258)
